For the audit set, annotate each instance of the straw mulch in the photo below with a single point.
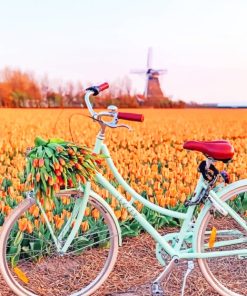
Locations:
(135, 269)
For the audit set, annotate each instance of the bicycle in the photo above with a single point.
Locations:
(216, 237)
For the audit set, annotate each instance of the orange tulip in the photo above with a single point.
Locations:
(87, 212)
(59, 223)
(37, 177)
(117, 213)
(22, 224)
(41, 162)
(36, 223)
(29, 228)
(95, 214)
(85, 225)
(124, 214)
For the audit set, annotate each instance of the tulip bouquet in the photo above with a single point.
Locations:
(56, 164)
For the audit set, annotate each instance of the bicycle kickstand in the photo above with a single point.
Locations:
(156, 288)
(189, 269)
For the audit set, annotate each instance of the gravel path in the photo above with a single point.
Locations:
(136, 268)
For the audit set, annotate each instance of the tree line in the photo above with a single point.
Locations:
(20, 89)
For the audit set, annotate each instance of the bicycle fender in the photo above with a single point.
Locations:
(208, 205)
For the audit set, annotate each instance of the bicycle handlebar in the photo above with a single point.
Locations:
(95, 90)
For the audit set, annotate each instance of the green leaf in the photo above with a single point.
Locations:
(40, 152)
(244, 202)
(15, 258)
(57, 141)
(18, 238)
(43, 182)
(48, 152)
(40, 142)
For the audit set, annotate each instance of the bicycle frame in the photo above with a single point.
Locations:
(188, 228)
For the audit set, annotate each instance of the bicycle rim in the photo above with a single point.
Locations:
(227, 275)
(32, 265)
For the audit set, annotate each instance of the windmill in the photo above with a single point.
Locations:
(152, 86)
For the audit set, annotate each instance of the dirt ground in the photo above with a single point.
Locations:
(137, 266)
(135, 269)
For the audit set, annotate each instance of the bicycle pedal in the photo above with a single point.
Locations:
(156, 289)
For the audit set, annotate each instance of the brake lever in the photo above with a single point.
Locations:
(126, 126)
(110, 124)
(114, 125)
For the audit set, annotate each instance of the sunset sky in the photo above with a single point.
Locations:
(201, 43)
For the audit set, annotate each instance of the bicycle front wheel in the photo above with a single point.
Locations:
(32, 263)
(228, 274)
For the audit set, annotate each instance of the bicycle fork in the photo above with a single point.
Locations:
(77, 216)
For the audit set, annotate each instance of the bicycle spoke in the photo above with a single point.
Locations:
(37, 264)
(223, 233)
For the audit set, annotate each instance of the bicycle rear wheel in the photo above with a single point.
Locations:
(31, 263)
(227, 275)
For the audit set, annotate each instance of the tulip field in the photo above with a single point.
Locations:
(150, 157)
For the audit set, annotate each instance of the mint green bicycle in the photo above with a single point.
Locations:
(76, 257)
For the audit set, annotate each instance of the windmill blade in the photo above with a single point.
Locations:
(146, 87)
(149, 58)
(138, 71)
(161, 71)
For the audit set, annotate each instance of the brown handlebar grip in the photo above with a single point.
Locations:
(131, 116)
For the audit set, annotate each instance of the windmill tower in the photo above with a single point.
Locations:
(152, 91)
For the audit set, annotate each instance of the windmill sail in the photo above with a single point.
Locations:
(149, 58)
(152, 91)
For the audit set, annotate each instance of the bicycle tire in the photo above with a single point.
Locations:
(47, 275)
(220, 271)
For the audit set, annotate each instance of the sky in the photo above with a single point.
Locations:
(201, 43)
